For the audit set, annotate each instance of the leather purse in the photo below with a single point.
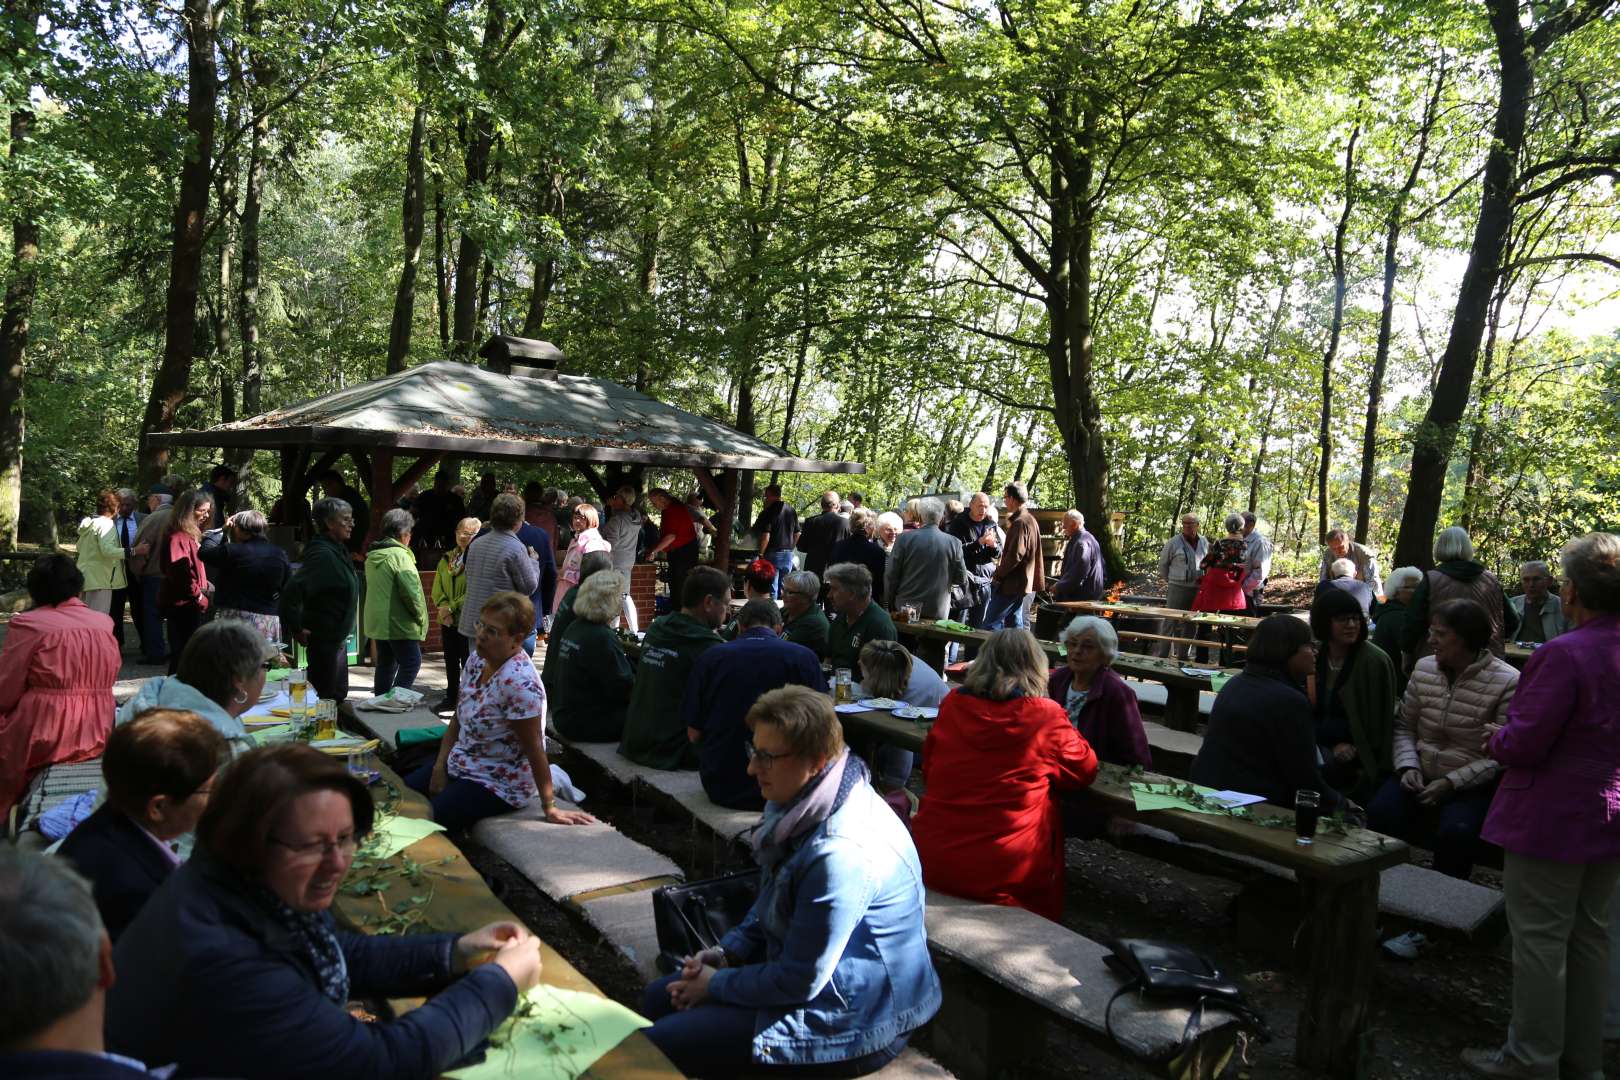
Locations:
(695, 915)
(1165, 972)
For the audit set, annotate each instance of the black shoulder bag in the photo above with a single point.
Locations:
(1174, 974)
(694, 916)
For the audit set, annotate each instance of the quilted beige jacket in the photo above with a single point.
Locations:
(1441, 728)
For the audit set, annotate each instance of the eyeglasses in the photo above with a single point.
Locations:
(316, 850)
(765, 758)
(482, 627)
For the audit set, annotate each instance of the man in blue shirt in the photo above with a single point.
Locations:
(725, 683)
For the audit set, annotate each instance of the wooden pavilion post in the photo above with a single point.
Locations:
(723, 494)
(382, 490)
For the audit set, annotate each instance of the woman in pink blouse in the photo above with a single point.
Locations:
(56, 676)
(586, 540)
(492, 760)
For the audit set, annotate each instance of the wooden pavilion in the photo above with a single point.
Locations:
(517, 407)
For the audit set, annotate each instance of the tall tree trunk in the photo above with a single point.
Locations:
(190, 219)
(1431, 450)
(479, 141)
(1340, 288)
(801, 352)
(22, 17)
(545, 267)
(414, 220)
(441, 263)
(225, 288)
(1023, 447)
(252, 205)
(1393, 225)
(1260, 455)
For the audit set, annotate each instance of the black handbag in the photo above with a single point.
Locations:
(696, 915)
(1174, 974)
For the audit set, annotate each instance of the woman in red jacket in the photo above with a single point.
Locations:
(184, 594)
(1220, 590)
(989, 827)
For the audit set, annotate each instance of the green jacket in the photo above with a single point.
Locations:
(322, 594)
(396, 610)
(449, 588)
(590, 684)
(560, 622)
(1368, 692)
(1391, 616)
(810, 630)
(654, 734)
(845, 638)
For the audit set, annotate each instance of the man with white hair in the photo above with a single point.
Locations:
(1340, 546)
(1257, 553)
(1181, 565)
(1344, 578)
(1083, 577)
(1540, 610)
(924, 565)
(55, 968)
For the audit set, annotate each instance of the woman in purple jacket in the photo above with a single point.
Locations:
(1100, 706)
(1555, 818)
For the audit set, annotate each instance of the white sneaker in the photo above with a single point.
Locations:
(1407, 946)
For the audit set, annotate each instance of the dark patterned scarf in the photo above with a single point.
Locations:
(314, 932)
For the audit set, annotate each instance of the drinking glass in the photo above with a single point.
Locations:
(1307, 810)
(843, 683)
(326, 719)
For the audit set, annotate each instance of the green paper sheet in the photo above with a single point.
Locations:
(1159, 797)
(393, 835)
(266, 736)
(949, 624)
(1218, 681)
(566, 1032)
(276, 674)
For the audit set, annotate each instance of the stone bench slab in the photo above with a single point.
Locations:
(683, 786)
(564, 860)
(626, 921)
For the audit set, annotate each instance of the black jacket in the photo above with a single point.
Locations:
(862, 550)
(65, 1065)
(208, 979)
(248, 576)
(321, 597)
(818, 536)
(122, 862)
(1261, 740)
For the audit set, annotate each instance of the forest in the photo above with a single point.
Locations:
(1341, 262)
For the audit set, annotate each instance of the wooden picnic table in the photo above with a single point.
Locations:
(1098, 607)
(461, 901)
(1338, 876)
(1181, 689)
(1517, 654)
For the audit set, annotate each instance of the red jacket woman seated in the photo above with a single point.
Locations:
(989, 826)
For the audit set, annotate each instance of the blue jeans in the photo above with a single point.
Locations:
(715, 1039)
(462, 804)
(397, 665)
(1001, 612)
(152, 650)
(783, 561)
(1454, 824)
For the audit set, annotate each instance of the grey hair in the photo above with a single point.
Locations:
(1075, 516)
(326, 511)
(1234, 523)
(891, 519)
(1400, 578)
(760, 611)
(1010, 664)
(1107, 639)
(1343, 568)
(1453, 543)
(803, 581)
(862, 520)
(125, 493)
(929, 511)
(221, 655)
(1337, 534)
(251, 522)
(1592, 565)
(396, 523)
(50, 943)
(1536, 566)
(598, 598)
(851, 577)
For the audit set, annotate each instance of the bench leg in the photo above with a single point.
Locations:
(982, 1031)
(1181, 708)
(1341, 941)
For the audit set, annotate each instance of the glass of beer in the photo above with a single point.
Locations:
(843, 685)
(1307, 810)
(326, 720)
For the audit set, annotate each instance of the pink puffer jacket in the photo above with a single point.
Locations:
(1441, 728)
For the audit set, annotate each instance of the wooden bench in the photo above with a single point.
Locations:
(995, 962)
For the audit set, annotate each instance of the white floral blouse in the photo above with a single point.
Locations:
(487, 750)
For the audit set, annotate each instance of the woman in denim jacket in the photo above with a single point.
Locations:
(830, 970)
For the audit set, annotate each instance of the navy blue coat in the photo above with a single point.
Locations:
(122, 862)
(1084, 575)
(208, 980)
(65, 1065)
(247, 576)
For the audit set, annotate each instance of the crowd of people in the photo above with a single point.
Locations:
(200, 932)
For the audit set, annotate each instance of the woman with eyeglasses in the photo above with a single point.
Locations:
(185, 592)
(586, 540)
(221, 677)
(236, 967)
(159, 770)
(492, 760)
(829, 973)
(1354, 706)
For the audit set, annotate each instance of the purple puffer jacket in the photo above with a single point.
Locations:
(1109, 720)
(1560, 794)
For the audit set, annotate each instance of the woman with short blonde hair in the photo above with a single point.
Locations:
(586, 540)
(989, 827)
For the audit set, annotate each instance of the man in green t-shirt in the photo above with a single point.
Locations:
(804, 623)
(654, 733)
(856, 619)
